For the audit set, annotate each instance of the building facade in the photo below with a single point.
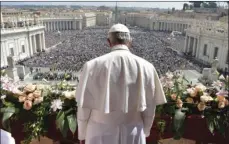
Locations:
(205, 44)
(21, 42)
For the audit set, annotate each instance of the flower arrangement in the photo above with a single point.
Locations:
(34, 103)
(185, 99)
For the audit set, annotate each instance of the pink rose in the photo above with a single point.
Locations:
(221, 105)
(201, 106)
(21, 98)
(174, 97)
(27, 105)
(179, 103)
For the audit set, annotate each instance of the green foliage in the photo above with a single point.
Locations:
(7, 114)
(35, 120)
(72, 122)
(211, 4)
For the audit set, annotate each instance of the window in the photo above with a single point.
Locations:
(205, 50)
(12, 51)
(23, 48)
(216, 52)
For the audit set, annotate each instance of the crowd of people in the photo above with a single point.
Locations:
(80, 46)
(54, 37)
(59, 76)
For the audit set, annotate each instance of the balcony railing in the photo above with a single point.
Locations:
(21, 29)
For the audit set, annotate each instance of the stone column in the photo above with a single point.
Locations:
(30, 45)
(189, 41)
(54, 25)
(43, 41)
(194, 47)
(6, 48)
(164, 26)
(34, 44)
(47, 26)
(59, 28)
(63, 22)
(70, 25)
(60, 25)
(50, 24)
(2, 21)
(40, 41)
(57, 25)
(16, 47)
(160, 25)
(67, 25)
(74, 24)
(186, 44)
(80, 24)
(3, 57)
(167, 26)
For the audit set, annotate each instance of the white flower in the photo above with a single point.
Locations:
(56, 104)
(201, 87)
(169, 75)
(190, 90)
(217, 84)
(206, 98)
(3, 97)
(38, 100)
(69, 94)
(169, 84)
(222, 77)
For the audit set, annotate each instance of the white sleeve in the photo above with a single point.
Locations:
(155, 96)
(83, 115)
(148, 117)
(159, 95)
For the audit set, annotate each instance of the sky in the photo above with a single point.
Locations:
(176, 5)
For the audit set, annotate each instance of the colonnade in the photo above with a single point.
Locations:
(36, 43)
(62, 25)
(191, 46)
(168, 26)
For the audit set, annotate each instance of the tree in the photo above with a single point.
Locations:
(212, 5)
(196, 4)
(205, 5)
(185, 6)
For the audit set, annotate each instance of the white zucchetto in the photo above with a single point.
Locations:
(119, 28)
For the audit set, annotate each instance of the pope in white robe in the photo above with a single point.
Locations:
(117, 95)
(6, 137)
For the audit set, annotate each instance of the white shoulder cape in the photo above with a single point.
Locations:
(119, 81)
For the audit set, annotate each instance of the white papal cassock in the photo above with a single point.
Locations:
(6, 137)
(117, 96)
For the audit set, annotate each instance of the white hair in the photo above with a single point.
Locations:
(119, 37)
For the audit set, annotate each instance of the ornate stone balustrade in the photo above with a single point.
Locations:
(216, 32)
(20, 29)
